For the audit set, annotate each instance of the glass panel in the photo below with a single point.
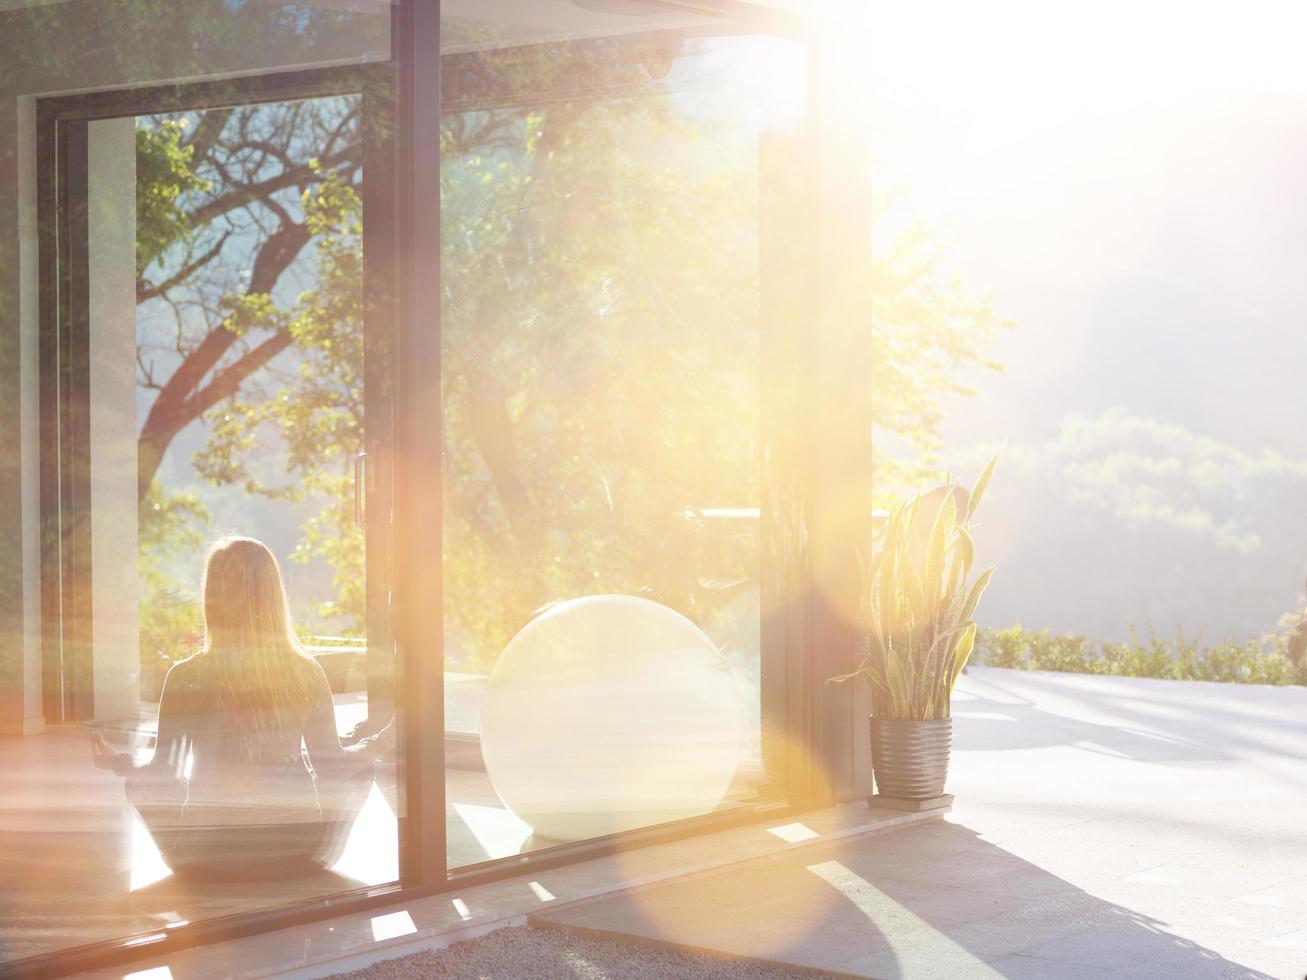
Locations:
(601, 345)
(276, 280)
(212, 387)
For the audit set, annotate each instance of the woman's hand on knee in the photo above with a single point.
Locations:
(383, 741)
(102, 756)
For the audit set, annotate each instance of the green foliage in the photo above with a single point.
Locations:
(1231, 661)
(600, 332)
(601, 357)
(169, 617)
(930, 335)
(316, 413)
(1148, 519)
(918, 604)
(164, 173)
(282, 404)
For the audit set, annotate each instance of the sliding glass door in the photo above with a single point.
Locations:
(215, 362)
(487, 321)
(602, 332)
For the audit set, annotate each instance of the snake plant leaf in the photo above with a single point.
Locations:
(872, 568)
(897, 685)
(913, 587)
(940, 533)
(956, 576)
(887, 571)
(879, 679)
(871, 573)
(941, 651)
(962, 652)
(889, 581)
(977, 590)
(964, 553)
(981, 484)
(965, 549)
(908, 518)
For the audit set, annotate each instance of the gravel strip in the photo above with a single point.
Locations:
(510, 953)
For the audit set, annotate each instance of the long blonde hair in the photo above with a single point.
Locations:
(259, 671)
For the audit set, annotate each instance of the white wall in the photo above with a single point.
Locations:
(111, 234)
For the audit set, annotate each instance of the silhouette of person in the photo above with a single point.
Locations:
(248, 778)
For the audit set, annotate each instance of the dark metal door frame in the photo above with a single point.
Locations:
(419, 441)
(66, 518)
(62, 127)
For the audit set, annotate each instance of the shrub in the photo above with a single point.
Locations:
(170, 630)
(1249, 661)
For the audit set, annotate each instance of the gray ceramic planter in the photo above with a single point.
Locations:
(910, 758)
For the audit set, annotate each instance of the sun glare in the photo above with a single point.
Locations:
(147, 863)
(370, 855)
(907, 933)
(956, 83)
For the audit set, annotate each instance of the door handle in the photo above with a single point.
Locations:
(360, 490)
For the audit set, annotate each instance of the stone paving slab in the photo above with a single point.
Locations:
(553, 953)
(1104, 827)
(359, 940)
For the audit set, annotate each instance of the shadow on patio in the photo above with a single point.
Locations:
(935, 901)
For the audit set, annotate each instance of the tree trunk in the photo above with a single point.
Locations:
(182, 399)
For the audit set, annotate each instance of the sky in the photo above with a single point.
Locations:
(1128, 183)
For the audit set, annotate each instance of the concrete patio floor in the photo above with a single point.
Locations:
(1104, 827)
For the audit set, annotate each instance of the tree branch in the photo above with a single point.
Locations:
(248, 193)
(206, 134)
(146, 290)
(173, 409)
(227, 381)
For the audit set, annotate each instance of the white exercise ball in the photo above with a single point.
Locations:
(608, 713)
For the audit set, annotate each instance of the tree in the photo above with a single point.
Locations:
(599, 321)
(236, 208)
(930, 337)
(316, 411)
(1149, 524)
(601, 351)
(229, 195)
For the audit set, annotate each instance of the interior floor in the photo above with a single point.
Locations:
(76, 867)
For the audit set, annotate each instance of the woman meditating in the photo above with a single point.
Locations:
(248, 777)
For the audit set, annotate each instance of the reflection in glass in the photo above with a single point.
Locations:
(610, 713)
(250, 410)
(600, 371)
(212, 264)
(248, 779)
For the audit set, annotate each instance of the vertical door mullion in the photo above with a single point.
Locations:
(418, 429)
(48, 192)
(839, 456)
(784, 297)
(69, 662)
(378, 114)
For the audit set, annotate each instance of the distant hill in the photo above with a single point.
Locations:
(1154, 401)
(1122, 522)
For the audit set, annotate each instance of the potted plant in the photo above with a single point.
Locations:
(918, 601)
